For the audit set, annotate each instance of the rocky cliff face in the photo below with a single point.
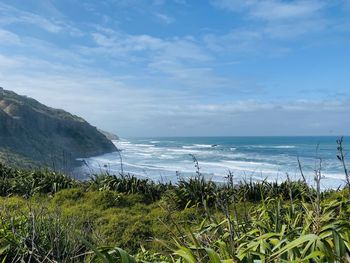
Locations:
(42, 135)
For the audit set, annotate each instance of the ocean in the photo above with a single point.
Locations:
(248, 158)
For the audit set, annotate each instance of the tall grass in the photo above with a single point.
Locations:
(252, 221)
(38, 236)
(29, 182)
(274, 232)
(128, 184)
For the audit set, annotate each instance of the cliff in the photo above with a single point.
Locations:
(34, 134)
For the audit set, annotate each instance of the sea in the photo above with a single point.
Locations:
(247, 158)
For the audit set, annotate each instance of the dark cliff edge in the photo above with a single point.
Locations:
(32, 134)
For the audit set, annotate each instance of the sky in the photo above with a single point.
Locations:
(148, 68)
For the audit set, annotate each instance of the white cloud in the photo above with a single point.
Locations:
(269, 21)
(273, 9)
(180, 58)
(7, 63)
(295, 29)
(277, 10)
(271, 27)
(168, 85)
(10, 15)
(9, 38)
(113, 104)
(238, 41)
(165, 18)
(119, 43)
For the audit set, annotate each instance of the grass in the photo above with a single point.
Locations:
(49, 217)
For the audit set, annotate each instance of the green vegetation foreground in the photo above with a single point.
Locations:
(49, 217)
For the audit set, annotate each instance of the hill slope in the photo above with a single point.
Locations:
(32, 133)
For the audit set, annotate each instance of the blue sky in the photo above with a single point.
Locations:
(184, 67)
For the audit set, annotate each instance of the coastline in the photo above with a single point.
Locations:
(164, 159)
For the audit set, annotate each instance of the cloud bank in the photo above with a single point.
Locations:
(231, 79)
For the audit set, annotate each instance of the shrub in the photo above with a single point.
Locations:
(39, 237)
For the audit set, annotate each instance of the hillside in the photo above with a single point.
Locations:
(34, 134)
(47, 217)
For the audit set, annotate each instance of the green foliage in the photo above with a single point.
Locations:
(27, 183)
(129, 184)
(108, 254)
(274, 232)
(145, 256)
(39, 237)
(256, 191)
(195, 191)
(49, 217)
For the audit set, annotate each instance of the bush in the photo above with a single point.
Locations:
(27, 183)
(39, 236)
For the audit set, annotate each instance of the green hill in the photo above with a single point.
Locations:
(34, 134)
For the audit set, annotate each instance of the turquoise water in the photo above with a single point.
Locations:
(259, 158)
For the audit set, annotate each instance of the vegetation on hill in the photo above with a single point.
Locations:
(32, 134)
(46, 216)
